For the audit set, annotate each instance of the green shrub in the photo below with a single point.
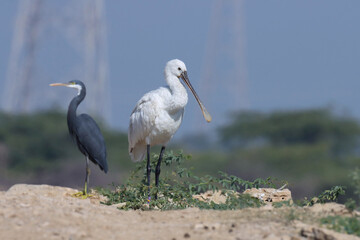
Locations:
(177, 186)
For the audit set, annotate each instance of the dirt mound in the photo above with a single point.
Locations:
(48, 212)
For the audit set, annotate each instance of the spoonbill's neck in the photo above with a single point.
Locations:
(179, 94)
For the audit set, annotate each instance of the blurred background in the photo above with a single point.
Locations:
(280, 79)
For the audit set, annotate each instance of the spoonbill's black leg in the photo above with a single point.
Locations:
(148, 171)
(157, 170)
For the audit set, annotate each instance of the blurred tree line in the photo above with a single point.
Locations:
(40, 141)
(311, 149)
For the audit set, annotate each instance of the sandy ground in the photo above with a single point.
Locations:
(48, 212)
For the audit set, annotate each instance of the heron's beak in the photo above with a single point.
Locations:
(58, 84)
(207, 115)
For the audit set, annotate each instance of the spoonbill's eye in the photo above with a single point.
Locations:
(179, 68)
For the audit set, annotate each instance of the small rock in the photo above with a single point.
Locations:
(119, 205)
(334, 208)
(270, 194)
(199, 226)
(211, 196)
(24, 205)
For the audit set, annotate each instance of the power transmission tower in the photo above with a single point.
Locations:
(65, 37)
(224, 72)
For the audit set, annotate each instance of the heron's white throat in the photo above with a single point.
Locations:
(78, 87)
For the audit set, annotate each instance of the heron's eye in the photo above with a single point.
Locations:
(179, 68)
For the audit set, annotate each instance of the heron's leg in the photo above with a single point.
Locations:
(157, 170)
(148, 170)
(84, 193)
(87, 177)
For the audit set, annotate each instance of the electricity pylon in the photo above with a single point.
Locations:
(66, 38)
(224, 72)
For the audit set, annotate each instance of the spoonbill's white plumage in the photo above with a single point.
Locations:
(158, 115)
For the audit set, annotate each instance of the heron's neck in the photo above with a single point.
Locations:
(71, 116)
(179, 97)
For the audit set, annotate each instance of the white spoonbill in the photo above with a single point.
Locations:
(158, 115)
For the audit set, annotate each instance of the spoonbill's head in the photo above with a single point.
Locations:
(79, 85)
(175, 67)
(178, 68)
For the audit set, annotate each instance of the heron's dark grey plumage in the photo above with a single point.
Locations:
(85, 132)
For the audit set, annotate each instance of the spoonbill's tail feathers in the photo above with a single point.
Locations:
(138, 152)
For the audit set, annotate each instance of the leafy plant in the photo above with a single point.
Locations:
(177, 187)
(332, 194)
(326, 196)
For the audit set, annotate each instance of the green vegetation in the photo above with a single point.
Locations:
(35, 142)
(292, 127)
(313, 148)
(331, 195)
(355, 181)
(349, 225)
(350, 203)
(178, 185)
(282, 204)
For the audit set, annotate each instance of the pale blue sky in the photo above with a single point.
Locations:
(298, 54)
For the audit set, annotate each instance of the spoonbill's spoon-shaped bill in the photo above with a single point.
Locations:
(206, 114)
